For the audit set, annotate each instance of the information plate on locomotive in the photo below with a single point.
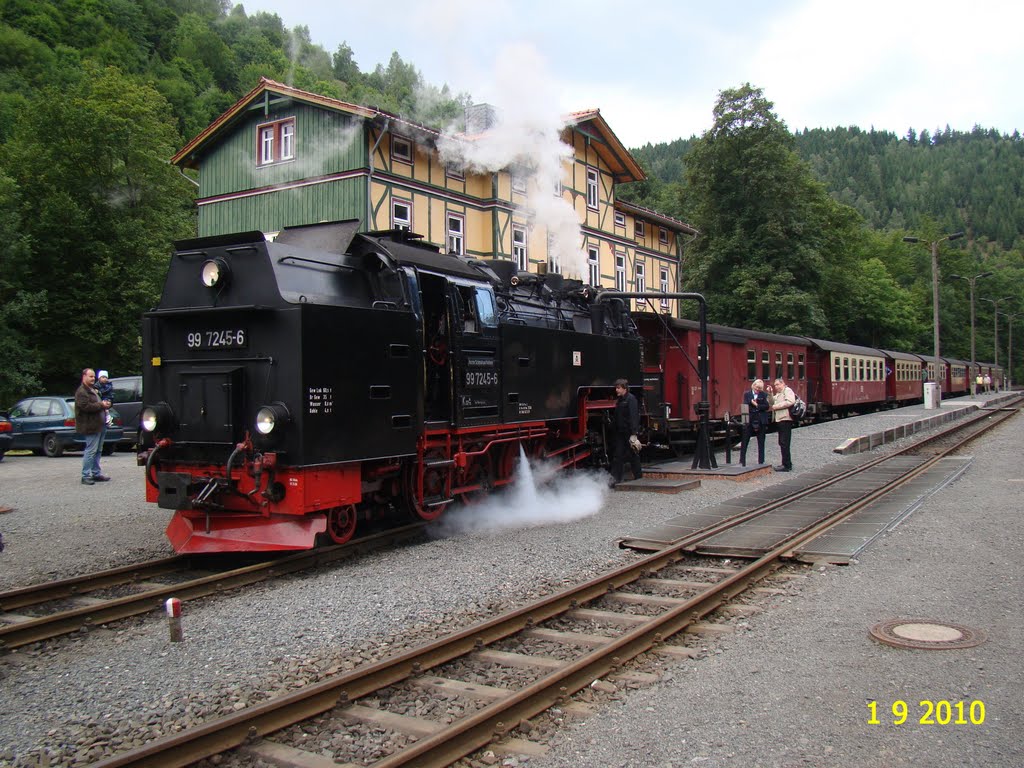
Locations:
(228, 338)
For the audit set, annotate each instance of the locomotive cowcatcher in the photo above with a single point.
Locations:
(296, 386)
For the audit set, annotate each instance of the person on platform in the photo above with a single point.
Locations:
(758, 418)
(90, 420)
(625, 443)
(784, 400)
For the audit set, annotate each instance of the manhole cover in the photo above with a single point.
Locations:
(926, 634)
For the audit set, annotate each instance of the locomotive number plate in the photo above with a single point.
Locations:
(234, 338)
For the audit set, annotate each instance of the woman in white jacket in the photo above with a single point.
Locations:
(784, 400)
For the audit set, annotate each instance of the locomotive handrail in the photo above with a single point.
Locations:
(197, 310)
(702, 457)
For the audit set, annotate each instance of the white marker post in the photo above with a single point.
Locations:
(174, 619)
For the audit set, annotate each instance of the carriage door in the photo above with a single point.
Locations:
(476, 369)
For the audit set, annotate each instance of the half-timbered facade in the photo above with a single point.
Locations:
(284, 157)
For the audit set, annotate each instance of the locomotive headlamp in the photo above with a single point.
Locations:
(271, 417)
(156, 417)
(215, 273)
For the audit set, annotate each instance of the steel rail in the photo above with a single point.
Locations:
(478, 729)
(62, 623)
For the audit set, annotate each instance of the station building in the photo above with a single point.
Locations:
(283, 157)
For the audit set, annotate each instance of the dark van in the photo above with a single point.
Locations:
(128, 402)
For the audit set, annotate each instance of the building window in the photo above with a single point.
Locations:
(456, 227)
(592, 196)
(553, 265)
(663, 282)
(401, 150)
(401, 214)
(639, 230)
(275, 142)
(620, 219)
(519, 244)
(662, 235)
(620, 272)
(454, 171)
(518, 183)
(640, 278)
(594, 264)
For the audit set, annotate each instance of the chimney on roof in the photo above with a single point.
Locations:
(480, 117)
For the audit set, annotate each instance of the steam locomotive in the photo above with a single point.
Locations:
(295, 387)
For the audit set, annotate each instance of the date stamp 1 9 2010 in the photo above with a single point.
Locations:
(940, 712)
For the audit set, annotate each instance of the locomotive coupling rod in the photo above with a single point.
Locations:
(439, 463)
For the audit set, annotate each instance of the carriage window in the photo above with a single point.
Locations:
(838, 376)
(800, 367)
(778, 364)
(751, 364)
(860, 367)
(846, 369)
(789, 366)
(766, 370)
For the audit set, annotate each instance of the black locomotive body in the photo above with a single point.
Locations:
(294, 387)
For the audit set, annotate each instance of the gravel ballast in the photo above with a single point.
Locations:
(789, 690)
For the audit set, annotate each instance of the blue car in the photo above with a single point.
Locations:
(46, 425)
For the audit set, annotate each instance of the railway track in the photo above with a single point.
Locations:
(44, 611)
(512, 667)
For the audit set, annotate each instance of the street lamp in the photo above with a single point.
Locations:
(995, 325)
(1009, 348)
(934, 244)
(972, 281)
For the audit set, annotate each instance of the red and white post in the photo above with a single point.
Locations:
(173, 606)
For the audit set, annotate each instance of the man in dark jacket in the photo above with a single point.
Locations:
(625, 443)
(90, 420)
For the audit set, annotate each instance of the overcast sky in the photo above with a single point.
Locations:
(655, 67)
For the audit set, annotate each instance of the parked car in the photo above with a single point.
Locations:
(5, 435)
(128, 402)
(46, 424)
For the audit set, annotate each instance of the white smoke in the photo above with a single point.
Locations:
(539, 495)
(526, 140)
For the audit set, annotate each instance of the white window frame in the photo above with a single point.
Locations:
(553, 265)
(662, 235)
(401, 155)
(520, 247)
(454, 172)
(594, 264)
(620, 272)
(593, 191)
(288, 140)
(640, 277)
(518, 183)
(639, 230)
(663, 280)
(398, 222)
(620, 219)
(275, 142)
(456, 224)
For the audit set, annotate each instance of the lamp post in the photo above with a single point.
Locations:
(1009, 347)
(995, 325)
(934, 244)
(972, 281)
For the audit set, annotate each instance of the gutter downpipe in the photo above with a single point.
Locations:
(703, 457)
(369, 178)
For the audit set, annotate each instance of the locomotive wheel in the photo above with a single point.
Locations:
(341, 523)
(435, 487)
(479, 472)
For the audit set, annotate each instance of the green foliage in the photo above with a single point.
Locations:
(95, 96)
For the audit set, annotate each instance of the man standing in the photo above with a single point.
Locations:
(90, 419)
(626, 444)
(784, 399)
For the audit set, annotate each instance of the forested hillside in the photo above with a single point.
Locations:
(95, 97)
(798, 232)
